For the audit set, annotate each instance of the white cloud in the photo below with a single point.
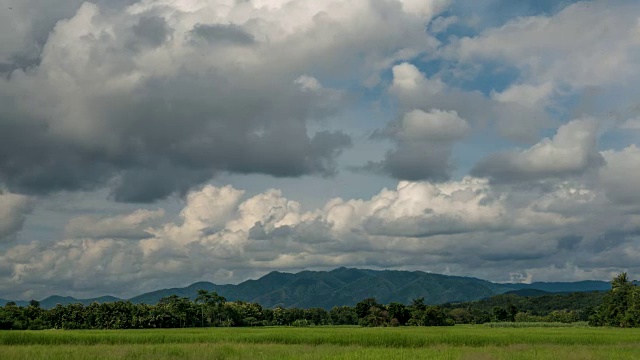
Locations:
(585, 44)
(408, 81)
(222, 236)
(435, 125)
(621, 173)
(129, 226)
(13, 213)
(526, 94)
(572, 151)
(414, 90)
(426, 9)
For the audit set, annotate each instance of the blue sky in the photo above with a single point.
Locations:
(144, 144)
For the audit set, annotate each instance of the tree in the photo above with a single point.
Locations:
(500, 314)
(399, 312)
(343, 315)
(362, 308)
(377, 316)
(461, 316)
(211, 303)
(418, 304)
(618, 306)
(435, 316)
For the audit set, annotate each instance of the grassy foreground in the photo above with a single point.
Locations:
(459, 342)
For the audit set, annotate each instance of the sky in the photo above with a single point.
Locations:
(147, 144)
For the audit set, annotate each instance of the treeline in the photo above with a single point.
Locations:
(565, 308)
(618, 307)
(211, 310)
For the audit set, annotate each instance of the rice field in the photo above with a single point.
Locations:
(458, 342)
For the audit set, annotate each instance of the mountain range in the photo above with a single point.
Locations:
(347, 286)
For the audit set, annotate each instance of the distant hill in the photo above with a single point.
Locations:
(347, 286)
(341, 286)
(578, 286)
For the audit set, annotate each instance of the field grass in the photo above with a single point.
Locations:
(534, 324)
(458, 342)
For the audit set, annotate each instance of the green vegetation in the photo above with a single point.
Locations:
(461, 342)
(343, 286)
(515, 327)
(620, 307)
(535, 324)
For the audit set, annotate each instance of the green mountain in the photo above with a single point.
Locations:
(347, 286)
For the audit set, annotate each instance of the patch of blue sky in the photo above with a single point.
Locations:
(486, 77)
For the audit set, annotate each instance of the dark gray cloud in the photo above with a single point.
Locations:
(30, 22)
(13, 214)
(423, 144)
(415, 162)
(222, 33)
(505, 168)
(169, 133)
(151, 31)
(168, 140)
(569, 242)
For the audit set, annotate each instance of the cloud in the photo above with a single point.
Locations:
(508, 112)
(153, 98)
(423, 137)
(631, 124)
(435, 125)
(139, 100)
(215, 33)
(585, 44)
(618, 176)
(224, 235)
(129, 226)
(526, 94)
(13, 213)
(572, 151)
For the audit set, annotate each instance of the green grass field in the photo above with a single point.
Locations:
(458, 342)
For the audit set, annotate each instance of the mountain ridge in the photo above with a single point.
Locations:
(345, 286)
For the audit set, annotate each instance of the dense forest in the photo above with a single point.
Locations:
(618, 307)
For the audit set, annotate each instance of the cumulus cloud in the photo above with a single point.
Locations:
(151, 98)
(619, 176)
(527, 95)
(129, 226)
(423, 139)
(13, 213)
(435, 125)
(222, 235)
(585, 44)
(572, 151)
(509, 112)
(140, 99)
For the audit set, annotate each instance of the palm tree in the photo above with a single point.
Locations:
(620, 282)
